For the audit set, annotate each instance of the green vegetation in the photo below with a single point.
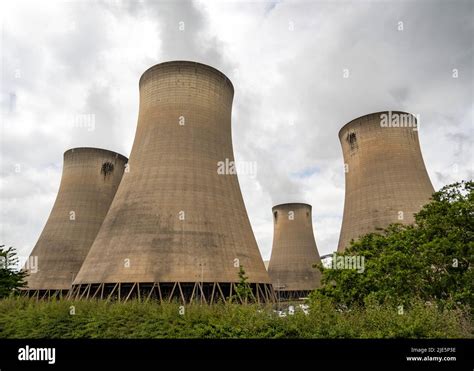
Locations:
(243, 290)
(11, 280)
(27, 318)
(430, 261)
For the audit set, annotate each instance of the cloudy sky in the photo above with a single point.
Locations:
(64, 61)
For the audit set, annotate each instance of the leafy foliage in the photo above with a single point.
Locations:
(430, 261)
(11, 280)
(27, 318)
(243, 289)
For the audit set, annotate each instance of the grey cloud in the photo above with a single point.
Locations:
(460, 141)
(96, 123)
(183, 33)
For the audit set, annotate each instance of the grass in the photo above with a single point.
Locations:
(27, 318)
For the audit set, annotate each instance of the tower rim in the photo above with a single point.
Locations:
(94, 149)
(370, 114)
(179, 62)
(291, 203)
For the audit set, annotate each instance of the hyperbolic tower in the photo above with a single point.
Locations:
(294, 251)
(178, 227)
(89, 181)
(386, 178)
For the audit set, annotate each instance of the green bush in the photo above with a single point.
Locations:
(28, 318)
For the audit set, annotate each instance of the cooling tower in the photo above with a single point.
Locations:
(386, 178)
(89, 181)
(294, 251)
(178, 227)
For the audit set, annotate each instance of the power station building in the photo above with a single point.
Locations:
(294, 252)
(386, 178)
(89, 181)
(177, 227)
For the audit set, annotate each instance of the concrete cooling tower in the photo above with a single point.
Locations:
(89, 181)
(294, 252)
(386, 178)
(178, 227)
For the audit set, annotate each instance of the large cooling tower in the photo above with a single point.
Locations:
(178, 227)
(386, 178)
(89, 181)
(294, 251)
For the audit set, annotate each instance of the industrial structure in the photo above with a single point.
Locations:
(89, 181)
(177, 227)
(386, 178)
(294, 252)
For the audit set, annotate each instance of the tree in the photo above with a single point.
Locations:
(11, 279)
(430, 260)
(243, 289)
